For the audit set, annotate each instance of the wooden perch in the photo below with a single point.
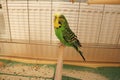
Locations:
(103, 2)
(58, 73)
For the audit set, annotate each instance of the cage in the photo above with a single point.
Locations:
(27, 39)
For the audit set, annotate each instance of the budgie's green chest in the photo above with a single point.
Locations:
(59, 34)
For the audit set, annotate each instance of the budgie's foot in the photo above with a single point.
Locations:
(60, 44)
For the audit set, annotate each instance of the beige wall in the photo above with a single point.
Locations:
(51, 52)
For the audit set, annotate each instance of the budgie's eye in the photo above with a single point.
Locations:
(59, 26)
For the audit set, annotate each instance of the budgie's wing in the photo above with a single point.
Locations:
(72, 40)
(70, 37)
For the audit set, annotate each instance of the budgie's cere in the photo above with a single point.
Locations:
(64, 33)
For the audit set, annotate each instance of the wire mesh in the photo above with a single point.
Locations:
(89, 23)
(31, 21)
(18, 20)
(4, 23)
(40, 21)
(110, 25)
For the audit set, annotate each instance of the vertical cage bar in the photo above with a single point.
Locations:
(51, 22)
(101, 24)
(9, 21)
(118, 41)
(78, 17)
(28, 20)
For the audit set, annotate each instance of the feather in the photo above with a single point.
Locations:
(80, 52)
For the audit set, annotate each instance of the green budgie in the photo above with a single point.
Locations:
(64, 33)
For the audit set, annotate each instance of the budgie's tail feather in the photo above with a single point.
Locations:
(81, 55)
(78, 50)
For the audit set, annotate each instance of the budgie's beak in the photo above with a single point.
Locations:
(56, 21)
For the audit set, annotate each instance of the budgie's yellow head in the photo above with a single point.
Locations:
(59, 20)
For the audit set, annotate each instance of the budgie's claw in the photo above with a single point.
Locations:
(60, 44)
